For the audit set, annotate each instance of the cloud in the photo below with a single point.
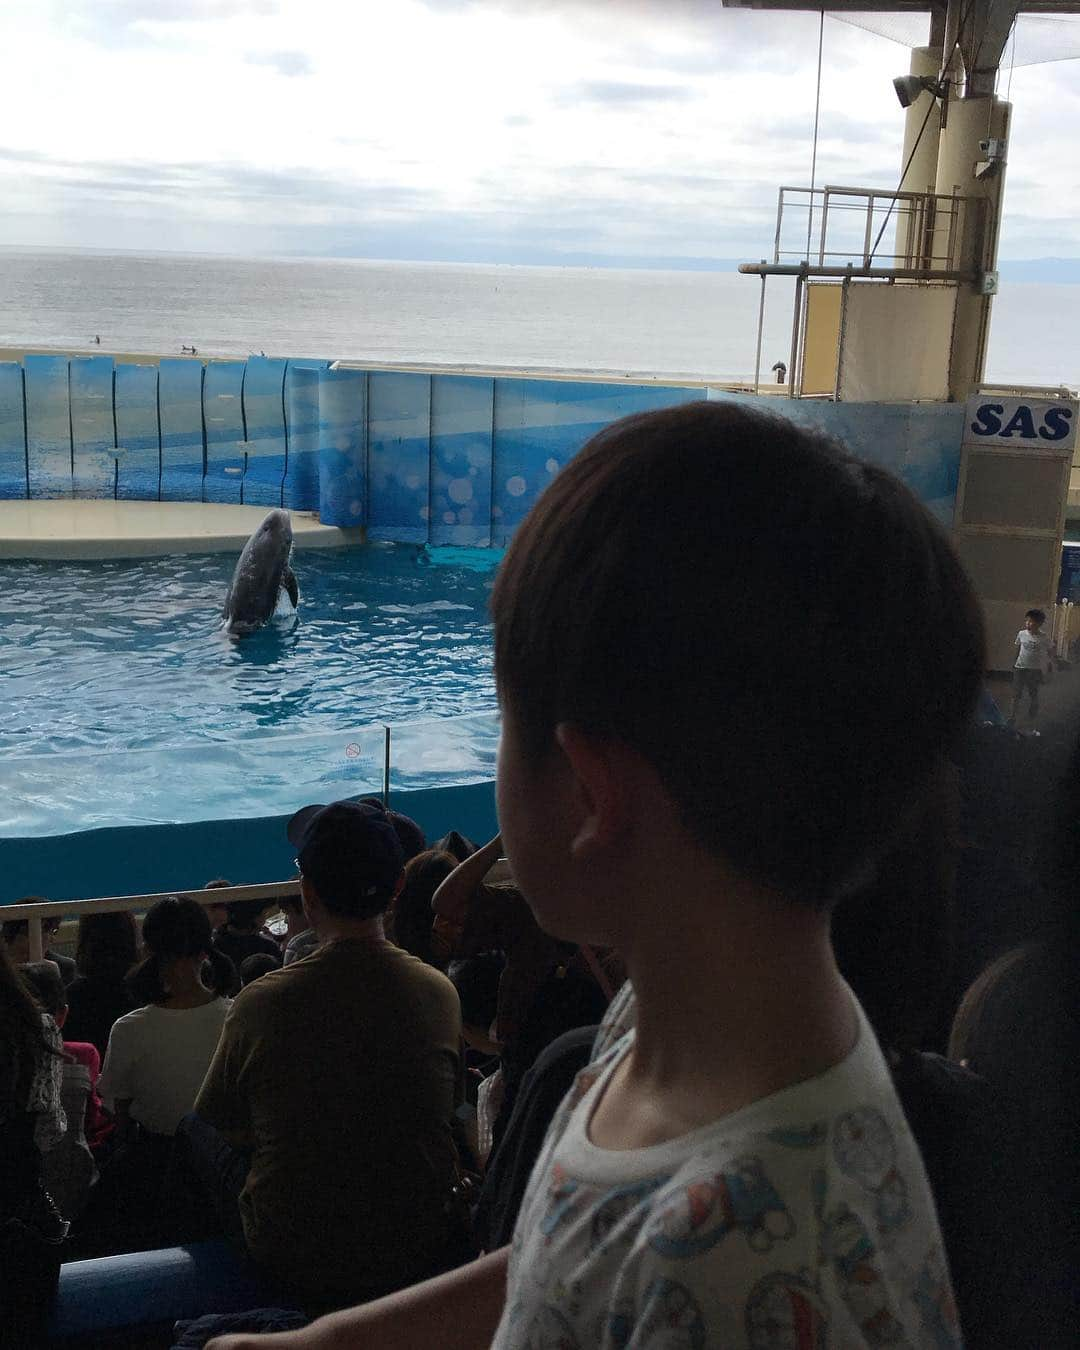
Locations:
(626, 93)
(127, 12)
(285, 63)
(506, 129)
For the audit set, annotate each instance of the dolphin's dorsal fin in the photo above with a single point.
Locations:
(288, 581)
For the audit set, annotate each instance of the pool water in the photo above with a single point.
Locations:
(123, 702)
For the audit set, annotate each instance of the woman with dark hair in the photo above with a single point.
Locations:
(410, 918)
(31, 1120)
(106, 950)
(158, 1055)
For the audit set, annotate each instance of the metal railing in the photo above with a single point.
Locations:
(32, 915)
(843, 229)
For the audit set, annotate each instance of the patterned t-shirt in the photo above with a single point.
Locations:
(802, 1222)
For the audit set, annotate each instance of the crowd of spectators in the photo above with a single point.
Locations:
(365, 1085)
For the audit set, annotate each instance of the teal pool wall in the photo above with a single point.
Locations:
(143, 859)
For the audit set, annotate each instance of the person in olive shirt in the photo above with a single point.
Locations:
(338, 1077)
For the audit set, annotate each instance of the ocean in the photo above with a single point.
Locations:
(699, 325)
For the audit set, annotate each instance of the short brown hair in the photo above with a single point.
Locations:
(633, 601)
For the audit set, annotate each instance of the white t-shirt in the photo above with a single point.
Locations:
(158, 1057)
(805, 1219)
(1035, 649)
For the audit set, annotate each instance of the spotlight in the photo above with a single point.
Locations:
(909, 87)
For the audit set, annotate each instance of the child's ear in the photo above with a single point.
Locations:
(599, 785)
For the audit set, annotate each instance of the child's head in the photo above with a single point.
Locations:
(787, 751)
(256, 965)
(16, 932)
(1034, 620)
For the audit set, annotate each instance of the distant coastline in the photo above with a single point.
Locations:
(1047, 271)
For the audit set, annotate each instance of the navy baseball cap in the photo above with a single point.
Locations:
(347, 849)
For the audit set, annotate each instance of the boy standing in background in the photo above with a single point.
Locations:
(1034, 653)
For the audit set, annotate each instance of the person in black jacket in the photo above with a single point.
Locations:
(106, 950)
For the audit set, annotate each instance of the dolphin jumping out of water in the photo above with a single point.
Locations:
(262, 573)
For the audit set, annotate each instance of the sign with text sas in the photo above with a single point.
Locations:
(1017, 423)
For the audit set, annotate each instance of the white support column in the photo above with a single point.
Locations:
(921, 148)
(968, 122)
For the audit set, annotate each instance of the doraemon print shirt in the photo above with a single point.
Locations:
(803, 1222)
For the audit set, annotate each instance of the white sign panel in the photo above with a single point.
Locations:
(1018, 423)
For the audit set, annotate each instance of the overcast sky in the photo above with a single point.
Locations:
(574, 130)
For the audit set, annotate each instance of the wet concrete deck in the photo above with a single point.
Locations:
(82, 529)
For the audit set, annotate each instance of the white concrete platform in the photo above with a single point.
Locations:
(81, 529)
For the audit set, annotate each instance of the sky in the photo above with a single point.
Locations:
(591, 131)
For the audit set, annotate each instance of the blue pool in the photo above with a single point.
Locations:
(124, 705)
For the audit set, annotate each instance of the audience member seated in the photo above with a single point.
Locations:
(1019, 1026)
(410, 836)
(296, 921)
(32, 1230)
(69, 1166)
(456, 844)
(546, 988)
(217, 914)
(239, 937)
(477, 982)
(337, 1076)
(409, 921)
(158, 1054)
(510, 1166)
(155, 1063)
(299, 938)
(256, 965)
(106, 949)
(17, 939)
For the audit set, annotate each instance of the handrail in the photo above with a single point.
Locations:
(115, 904)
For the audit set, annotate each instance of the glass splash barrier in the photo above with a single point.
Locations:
(269, 775)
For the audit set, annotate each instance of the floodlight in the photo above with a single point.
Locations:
(909, 87)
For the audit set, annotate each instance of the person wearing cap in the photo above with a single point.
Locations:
(338, 1077)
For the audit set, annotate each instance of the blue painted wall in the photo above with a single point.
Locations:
(13, 480)
(443, 459)
(93, 432)
(138, 433)
(223, 415)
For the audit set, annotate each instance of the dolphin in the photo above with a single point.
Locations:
(262, 573)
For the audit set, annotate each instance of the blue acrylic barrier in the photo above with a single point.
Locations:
(12, 431)
(114, 1294)
(300, 491)
(919, 442)
(143, 859)
(48, 426)
(223, 414)
(540, 424)
(264, 415)
(399, 455)
(343, 420)
(93, 433)
(462, 423)
(138, 436)
(180, 384)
